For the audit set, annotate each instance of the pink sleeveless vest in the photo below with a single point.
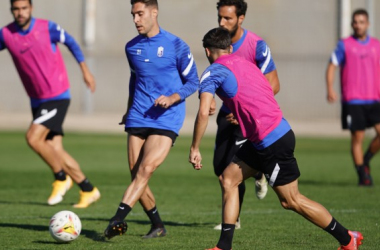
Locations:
(360, 75)
(254, 104)
(248, 48)
(41, 70)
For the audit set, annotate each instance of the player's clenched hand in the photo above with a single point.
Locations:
(230, 118)
(332, 96)
(123, 119)
(195, 158)
(163, 102)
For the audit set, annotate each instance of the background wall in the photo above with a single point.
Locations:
(301, 33)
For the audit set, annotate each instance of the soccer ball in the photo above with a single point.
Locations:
(65, 226)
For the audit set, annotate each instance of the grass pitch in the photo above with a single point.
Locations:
(189, 201)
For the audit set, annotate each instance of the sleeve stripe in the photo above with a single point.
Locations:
(205, 76)
(62, 37)
(334, 59)
(188, 68)
(265, 66)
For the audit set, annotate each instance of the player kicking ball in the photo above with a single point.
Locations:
(270, 144)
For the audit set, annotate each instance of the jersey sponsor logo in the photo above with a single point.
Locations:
(160, 51)
(22, 51)
(138, 52)
(266, 52)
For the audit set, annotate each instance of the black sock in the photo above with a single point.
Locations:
(367, 157)
(60, 176)
(155, 218)
(258, 175)
(122, 212)
(86, 186)
(226, 235)
(338, 232)
(241, 188)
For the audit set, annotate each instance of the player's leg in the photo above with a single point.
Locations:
(147, 200)
(88, 194)
(233, 175)
(155, 150)
(357, 139)
(292, 199)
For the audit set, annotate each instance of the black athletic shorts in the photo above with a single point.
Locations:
(51, 115)
(146, 132)
(360, 116)
(277, 161)
(229, 139)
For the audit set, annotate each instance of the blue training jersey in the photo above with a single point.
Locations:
(160, 65)
(57, 35)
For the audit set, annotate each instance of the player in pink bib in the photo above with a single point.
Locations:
(270, 141)
(358, 57)
(32, 43)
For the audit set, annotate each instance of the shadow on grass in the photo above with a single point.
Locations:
(146, 222)
(90, 234)
(26, 203)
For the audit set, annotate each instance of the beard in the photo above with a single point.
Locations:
(234, 30)
(26, 22)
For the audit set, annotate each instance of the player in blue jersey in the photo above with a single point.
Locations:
(246, 44)
(163, 75)
(33, 45)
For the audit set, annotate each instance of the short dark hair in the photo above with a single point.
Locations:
(217, 38)
(360, 12)
(12, 1)
(240, 5)
(153, 3)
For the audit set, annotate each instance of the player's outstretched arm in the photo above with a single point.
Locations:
(330, 76)
(200, 126)
(88, 77)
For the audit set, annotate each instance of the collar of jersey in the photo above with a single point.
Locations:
(362, 42)
(25, 32)
(237, 45)
(153, 37)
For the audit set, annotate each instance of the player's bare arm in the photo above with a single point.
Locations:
(88, 77)
(272, 77)
(330, 75)
(212, 107)
(200, 126)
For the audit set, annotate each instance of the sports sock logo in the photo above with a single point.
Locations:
(333, 227)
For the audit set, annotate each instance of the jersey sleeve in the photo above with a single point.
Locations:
(213, 78)
(264, 58)
(338, 56)
(132, 79)
(59, 35)
(187, 69)
(2, 42)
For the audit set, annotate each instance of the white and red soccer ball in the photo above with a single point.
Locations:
(65, 226)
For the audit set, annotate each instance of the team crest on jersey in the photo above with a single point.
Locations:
(160, 51)
(139, 52)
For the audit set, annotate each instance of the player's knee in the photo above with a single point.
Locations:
(291, 203)
(146, 171)
(227, 182)
(32, 141)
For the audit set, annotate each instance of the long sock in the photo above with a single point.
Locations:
(241, 188)
(338, 232)
(86, 186)
(367, 157)
(155, 218)
(60, 176)
(122, 212)
(226, 235)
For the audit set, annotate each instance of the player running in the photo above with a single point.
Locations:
(270, 140)
(229, 138)
(32, 43)
(163, 75)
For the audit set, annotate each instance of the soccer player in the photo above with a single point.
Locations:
(32, 43)
(358, 57)
(270, 140)
(229, 138)
(163, 75)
